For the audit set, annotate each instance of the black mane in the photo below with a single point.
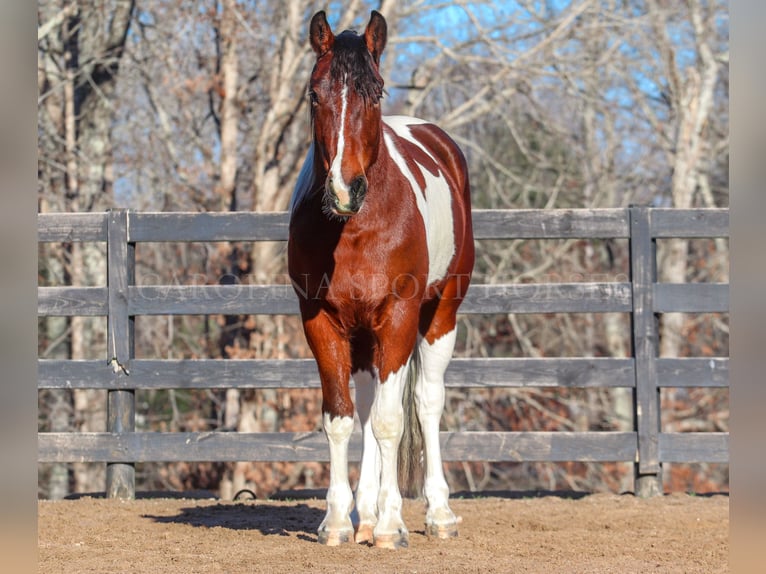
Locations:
(352, 59)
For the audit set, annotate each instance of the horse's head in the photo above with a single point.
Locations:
(345, 91)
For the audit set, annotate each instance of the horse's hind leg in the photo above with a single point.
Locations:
(396, 341)
(435, 356)
(369, 474)
(387, 418)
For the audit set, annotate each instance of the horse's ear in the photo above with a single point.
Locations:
(320, 34)
(375, 35)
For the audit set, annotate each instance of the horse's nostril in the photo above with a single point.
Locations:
(359, 189)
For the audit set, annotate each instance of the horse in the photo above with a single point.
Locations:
(380, 255)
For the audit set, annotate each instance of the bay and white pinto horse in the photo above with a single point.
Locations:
(380, 254)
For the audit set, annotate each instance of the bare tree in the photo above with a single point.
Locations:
(80, 45)
(690, 92)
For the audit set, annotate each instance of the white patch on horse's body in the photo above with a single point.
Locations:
(435, 208)
(305, 179)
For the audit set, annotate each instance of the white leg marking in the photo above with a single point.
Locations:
(387, 425)
(369, 475)
(429, 395)
(336, 526)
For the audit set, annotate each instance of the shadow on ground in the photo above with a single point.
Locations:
(267, 518)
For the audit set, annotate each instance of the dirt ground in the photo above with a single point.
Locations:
(500, 532)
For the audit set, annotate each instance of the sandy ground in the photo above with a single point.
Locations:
(500, 532)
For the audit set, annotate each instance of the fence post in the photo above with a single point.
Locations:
(646, 402)
(121, 404)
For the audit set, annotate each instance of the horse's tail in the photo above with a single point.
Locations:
(411, 452)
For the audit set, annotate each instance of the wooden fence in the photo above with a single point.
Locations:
(121, 373)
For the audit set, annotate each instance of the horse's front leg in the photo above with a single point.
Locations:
(441, 522)
(336, 528)
(332, 353)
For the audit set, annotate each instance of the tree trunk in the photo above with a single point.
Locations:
(692, 103)
(228, 65)
(229, 105)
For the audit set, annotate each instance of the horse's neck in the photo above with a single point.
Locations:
(307, 179)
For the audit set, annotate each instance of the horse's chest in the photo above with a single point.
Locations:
(358, 275)
(370, 273)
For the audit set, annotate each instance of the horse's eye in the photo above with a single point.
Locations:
(313, 98)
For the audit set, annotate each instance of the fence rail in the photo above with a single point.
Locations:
(642, 297)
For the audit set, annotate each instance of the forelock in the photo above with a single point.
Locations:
(353, 61)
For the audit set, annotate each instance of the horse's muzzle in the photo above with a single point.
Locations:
(344, 203)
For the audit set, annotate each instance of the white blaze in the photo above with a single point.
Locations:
(335, 169)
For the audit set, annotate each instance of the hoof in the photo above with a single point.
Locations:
(364, 533)
(330, 538)
(397, 540)
(442, 532)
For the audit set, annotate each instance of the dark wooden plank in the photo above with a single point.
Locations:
(539, 446)
(67, 374)
(213, 299)
(281, 299)
(548, 298)
(693, 372)
(540, 373)
(302, 373)
(488, 224)
(550, 223)
(645, 350)
(694, 447)
(71, 227)
(176, 447)
(671, 222)
(691, 297)
(312, 446)
(239, 226)
(72, 301)
(181, 374)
